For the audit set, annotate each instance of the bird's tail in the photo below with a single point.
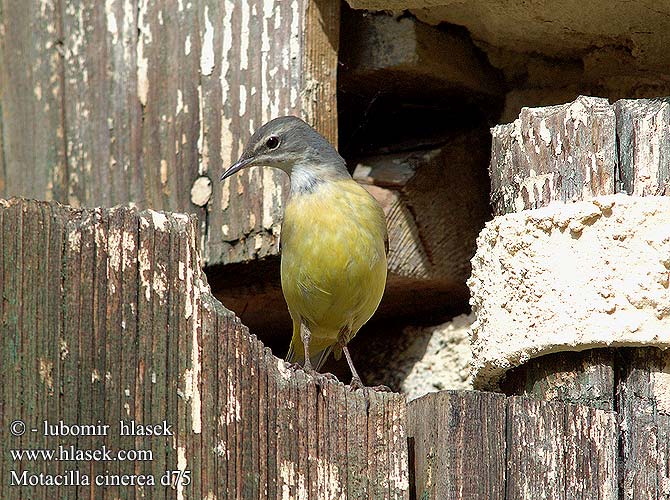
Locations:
(296, 353)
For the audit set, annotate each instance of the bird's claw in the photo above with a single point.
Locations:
(357, 384)
(324, 377)
(329, 376)
(380, 388)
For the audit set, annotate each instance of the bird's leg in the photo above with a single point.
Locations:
(305, 335)
(356, 382)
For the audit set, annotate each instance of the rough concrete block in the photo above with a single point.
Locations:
(568, 278)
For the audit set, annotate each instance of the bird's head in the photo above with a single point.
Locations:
(288, 143)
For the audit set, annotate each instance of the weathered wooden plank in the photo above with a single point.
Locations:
(31, 108)
(295, 79)
(458, 441)
(234, 434)
(565, 152)
(32, 381)
(209, 442)
(128, 356)
(560, 451)
(110, 324)
(71, 375)
(586, 378)
(139, 102)
(644, 145)
(100, 374)
(11, 357)
(644, 413)
(395, 55)
(101, 113)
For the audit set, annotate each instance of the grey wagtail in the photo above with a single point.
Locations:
(333, 241)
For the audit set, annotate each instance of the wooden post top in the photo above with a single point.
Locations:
(578, 255)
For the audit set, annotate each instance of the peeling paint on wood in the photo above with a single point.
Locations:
(556, 153)
(130, 101)
(643, 131)
(125, 327)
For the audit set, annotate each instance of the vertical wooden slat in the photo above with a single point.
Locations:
(35, 366)
(210, 458)
(272, 371)
(557, 451)
(130, 355)
(357, 444)
(458, 445)
(99, 336)
(112, 390)
(145, 360)
(11, 362)
(70, 400)
(87, 341)
(644, 413)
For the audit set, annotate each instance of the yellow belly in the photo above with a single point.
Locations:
(333, 264)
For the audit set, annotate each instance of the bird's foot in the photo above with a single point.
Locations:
(327, 376)
(380, 388)
(357, 384)
(293, 366)
(320, 377)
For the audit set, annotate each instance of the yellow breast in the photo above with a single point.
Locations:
(333, 265)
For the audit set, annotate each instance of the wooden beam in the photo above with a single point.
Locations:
(395, 55)
(435, 205)
(565, 152)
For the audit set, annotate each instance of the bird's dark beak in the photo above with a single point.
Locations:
(239, 165)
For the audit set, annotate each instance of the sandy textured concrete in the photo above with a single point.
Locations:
(570, 277)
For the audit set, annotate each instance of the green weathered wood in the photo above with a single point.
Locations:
(106, 315)
(644, 413)
(122, 102)
(586, 378)
(644, 146)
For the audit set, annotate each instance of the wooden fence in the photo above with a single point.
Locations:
(107, 317)
(107, 103)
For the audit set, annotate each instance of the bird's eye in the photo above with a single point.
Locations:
(272, 142)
